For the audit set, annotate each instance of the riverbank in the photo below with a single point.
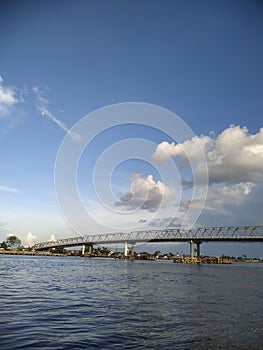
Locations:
(28, 252)
(181, 259)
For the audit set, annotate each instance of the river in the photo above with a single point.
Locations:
(83, 303)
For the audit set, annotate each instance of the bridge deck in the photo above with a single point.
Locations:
(205, 234)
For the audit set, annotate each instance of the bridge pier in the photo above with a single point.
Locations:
(198, 244)
(197, 249)
(90, 248)
(192, 249)
(125, 248)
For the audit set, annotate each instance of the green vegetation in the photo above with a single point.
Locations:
(11, 242)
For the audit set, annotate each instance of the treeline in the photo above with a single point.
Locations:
(11, 242)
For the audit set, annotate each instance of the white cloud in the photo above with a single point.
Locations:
(169, 221)
(225, 206)
(7, 189)
(220, 197)
(232, 193)
(8, 98)
(234, 156)
(30, 239)
(43, 110)
(189, 149)
(42, 106)
(145, 193)
(52, 238)
(235, 167)
(237, 156)
(234, 206)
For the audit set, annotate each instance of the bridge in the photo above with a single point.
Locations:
(193, 236)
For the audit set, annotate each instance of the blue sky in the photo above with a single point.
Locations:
(61, 61)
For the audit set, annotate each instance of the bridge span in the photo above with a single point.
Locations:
(193, 236)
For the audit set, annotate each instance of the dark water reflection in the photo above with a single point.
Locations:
(77, 303)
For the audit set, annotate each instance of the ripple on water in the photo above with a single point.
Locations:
(73, 303)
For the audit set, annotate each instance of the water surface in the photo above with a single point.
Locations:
(81, 303)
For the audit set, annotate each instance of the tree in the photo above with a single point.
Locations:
(13, 242)
(3, 245)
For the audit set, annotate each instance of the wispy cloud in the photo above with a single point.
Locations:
(42, 104)
(7, 189)
(42, 107)
(8, 98)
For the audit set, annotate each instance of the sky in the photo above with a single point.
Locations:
(130, 115)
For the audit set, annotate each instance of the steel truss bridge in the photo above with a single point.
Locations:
(193, 236)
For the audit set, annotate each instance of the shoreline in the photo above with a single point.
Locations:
(28, 252)
(175, 259)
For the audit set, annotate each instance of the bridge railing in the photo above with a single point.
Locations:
(202, 234)
(229, 232)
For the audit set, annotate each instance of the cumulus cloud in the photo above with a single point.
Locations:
(30, 239)
(234, 206)
(8, 98)
(235, 165)
(234, 193)
(145, 193)
(220, 197)
(52, 238)
(226, 205)
(237, 156)
(234, 156)
(184, 152)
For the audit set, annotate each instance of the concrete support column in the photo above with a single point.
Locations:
(125, 249)
(90, 248)
(191, 249)
(83, 249)
(132, 249)
(198, 249)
